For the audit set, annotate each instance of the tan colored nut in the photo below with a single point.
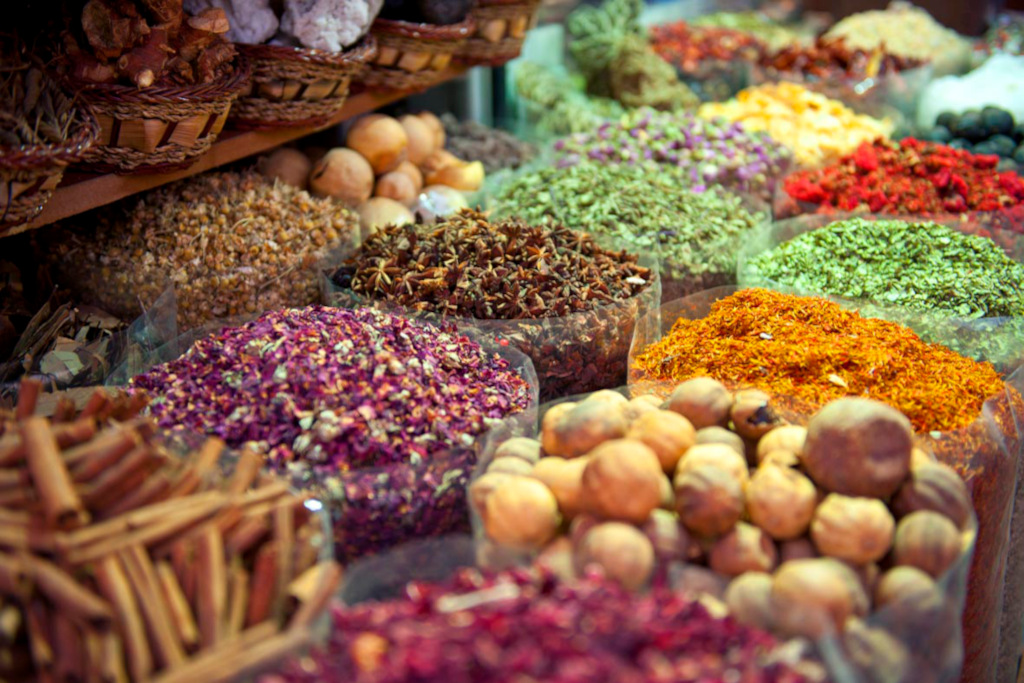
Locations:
(565, 479)
(927, 540)
(780, 458)
(789, 438)
(622, 481)
(587, 426)
(749, 598)
(519, 447)
(858, 530)
(668, 495)
(549, 437)
(557, 557)
(877, 653)
(899, 583)
(936, 487)
(709, 500)
(580, 525)
(920, 456)
(752, 414)
(521, 513)
(670, 539)
(797, 549)
(482, 487)
(718, 455)
(812, 598)
(721, 435)
(744, 549)
(668, 434)
(781, 501)
(868, 574)
(608, 396)
(640, 405)
(858, 447)
(703, 401)
(513, 466)
(622, 551)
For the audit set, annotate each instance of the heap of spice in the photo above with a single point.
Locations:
(570, 305)
(815, 128)
(922, 266)
(633, 486)
(772, 33)
(230, 244)
(124, 561)
(645, 208)
(372, 411)
(807, 352)
(709, 152)
(557, 103)
(909, 177)
(830, 59)
(688, 47)
(523, 625)
(497, 149)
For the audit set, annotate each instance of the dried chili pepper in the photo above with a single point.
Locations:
(686, 46)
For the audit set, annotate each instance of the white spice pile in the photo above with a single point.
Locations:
(231, 243)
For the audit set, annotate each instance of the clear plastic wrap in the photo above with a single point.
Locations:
(375, 507)
(576, 353)
(986, 453)
(999, 340)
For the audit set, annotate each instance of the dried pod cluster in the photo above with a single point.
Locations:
(230, 244)
(147, 43)
(121, 561)
(551, 292)
(808, 523)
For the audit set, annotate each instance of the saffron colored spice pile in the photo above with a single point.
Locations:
(329, 391)
(909, 177)
(815, 351)
(518, 626)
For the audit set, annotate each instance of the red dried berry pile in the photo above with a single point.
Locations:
(515, 626)
(909, 177)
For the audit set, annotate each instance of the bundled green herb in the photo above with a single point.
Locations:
(922, 266)
(645, 208)
(560, 105)
(32, 111)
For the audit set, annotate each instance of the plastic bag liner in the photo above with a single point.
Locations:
(374, 508)
(999, 340)
(576, 353)
(934, 642)
(986, 453)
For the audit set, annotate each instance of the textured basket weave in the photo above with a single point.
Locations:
(412, 56)
(501, 27)
(158, 129)
(293, 86)
(29, 175)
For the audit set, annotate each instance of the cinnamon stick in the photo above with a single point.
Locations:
(182, 559)
(67, 594)
(246, 470)
(10, 622)
(111, 664)
(40, 639)
(128, 468)
(92, 642)
(308, 548)
(154, 489)
(63, 411)
(264, 580)
(203, 463)
(89, 459)
(238, 600)
(71, 434)
(211, 585)
(96, 403)
(181, 614)
(240, 663)
(52, 481)
(326, 584)
(114, 586)
(248, 532)
(284, 534)
(12, 478)
(21, 536)
(68, 648)
(28, 396)
(14, 580)
(19, 498)
(155, 613)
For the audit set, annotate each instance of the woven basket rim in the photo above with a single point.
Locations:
(362, 51)
(419, 31)
(226, 86)
(28, 157)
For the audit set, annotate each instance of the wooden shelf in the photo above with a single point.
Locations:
(80, 192)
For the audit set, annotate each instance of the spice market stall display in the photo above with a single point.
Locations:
(645, 208)
(710, 153)
(159, 81)
(229, 244)
(501, 27)
(807, 351)
(711, 60)
(548, 291)
(373, 413)
(496, 149)
(907, 31)
(951, 288)
(42, 131)
(996, 83)
(128, 557)
(416, 42)
(650, 491)
(773, 34)
(816, 129)
(486, 627)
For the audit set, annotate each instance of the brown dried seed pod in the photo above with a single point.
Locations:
(927, 540)
(858, 530)
(744, 549)
(749, 599)
(752, 414)
(900, 583)
(703, 401)
(815, 597)
(721, 435)
(482, 487)
(550, 438)
(622, 480)
(587, 426)
(789, 438)
(519, 447)
(521, 513)
(669, 537)
(709, 500)
(668, 434)
(622, 551)
(513, 466)
(936, 487)
(717, 455)
(565, 479)
(781, 501)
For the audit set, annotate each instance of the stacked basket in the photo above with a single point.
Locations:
(414, 56)
(501, 27)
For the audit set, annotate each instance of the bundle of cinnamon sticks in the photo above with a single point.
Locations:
(120, 561)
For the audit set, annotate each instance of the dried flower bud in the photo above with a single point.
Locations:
(709, 500)
(703, 401)
(622, 551)
(858, 530)
(622, 481)
(927, 540)
(781, 501)
(522, 513)
(744, 549)
(668, 434)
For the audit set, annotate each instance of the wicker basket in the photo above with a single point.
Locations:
(158, 129)
(501, 27)
(29, 175)
(294, 86)
(412, 56)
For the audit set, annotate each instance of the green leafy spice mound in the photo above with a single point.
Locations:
(922, 266)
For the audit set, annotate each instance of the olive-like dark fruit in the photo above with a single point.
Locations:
(1003, 145)
(1018, 155)
(996, 121)
(970, 128)
(946, 119)
(959, 143)
(938, 134)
